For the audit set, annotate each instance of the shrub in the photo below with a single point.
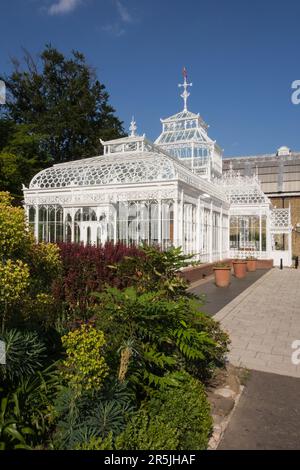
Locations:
(145, 432)
(87, 269)
(96, 443)
(187, 408)
(26, 417)
(176, 418)
(155, 268)
(25, 353)
(15, 432)
(14, 280)
(85, 367)
(158, 334)
(45, 266)
(15, 239)
(92, 415)
(27, 269)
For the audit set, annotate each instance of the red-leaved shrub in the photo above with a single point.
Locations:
(87, 269)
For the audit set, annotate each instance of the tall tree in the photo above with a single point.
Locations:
(62, 100)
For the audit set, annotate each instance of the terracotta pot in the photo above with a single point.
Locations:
(251, 265)
(222, 276)
(239, 268)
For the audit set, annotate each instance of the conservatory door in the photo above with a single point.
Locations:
(281, 249)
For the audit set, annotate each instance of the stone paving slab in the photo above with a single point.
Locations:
(267, 416)
(263, 322)
(216, 298)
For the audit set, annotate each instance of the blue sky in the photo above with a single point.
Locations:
(241, 55)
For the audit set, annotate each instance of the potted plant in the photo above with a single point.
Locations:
(222, 274)
(239, 267)
(251, 263)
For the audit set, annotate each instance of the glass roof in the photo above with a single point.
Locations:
(185, 114)
(180, 135)
(137, 168)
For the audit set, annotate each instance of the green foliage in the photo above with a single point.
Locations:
(187, 409)
(14, 237)
(85, 367)
(14, 431)
(27, 270)
(36, 396)
(97, 443)
(45, 265)
(14, 280)
(25, 353)
(26, 415)
(145, 432)
(62, 103)
(165, 334)
(15, 171)
(156, 269)
(176, 418)
(97, 415)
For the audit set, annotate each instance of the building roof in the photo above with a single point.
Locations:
(104, 170)
(277, 172)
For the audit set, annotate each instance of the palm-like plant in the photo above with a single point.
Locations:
(25, 353)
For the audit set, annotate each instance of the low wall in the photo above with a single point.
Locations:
(195, 273)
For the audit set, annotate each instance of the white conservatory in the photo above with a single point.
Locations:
(171, 193)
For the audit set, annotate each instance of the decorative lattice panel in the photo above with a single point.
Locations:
(242, 189)
(102, 171)
(280, 219)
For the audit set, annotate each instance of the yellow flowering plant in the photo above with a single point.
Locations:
(84, 367)
(14, 280)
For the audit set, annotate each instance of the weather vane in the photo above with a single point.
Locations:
(185, 85)
(132, 127)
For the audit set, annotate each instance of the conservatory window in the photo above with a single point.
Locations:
(31, 217)
(76, 233)
(88, 236)
(50, 224)
(248, 233)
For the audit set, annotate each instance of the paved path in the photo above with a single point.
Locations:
(263, 322)
(267, 415)
(216, 298)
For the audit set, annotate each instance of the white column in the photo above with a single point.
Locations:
(159, 222)
(189, 227)
(260, 235)
(181, 230)
(175, 222)
(290, 248)
(198, 227)
(193, 154)
(220, 228)
(115, 222)
(72, 214)
(268, 236)
(211, 233)
(36, 223)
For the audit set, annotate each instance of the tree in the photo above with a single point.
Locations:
(62, 100)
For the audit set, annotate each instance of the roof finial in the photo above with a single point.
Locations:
(185, 85)
(132, 127)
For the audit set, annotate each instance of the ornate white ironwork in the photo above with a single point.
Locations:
(143, 167)
(184, 135)
(242, 189)
(140, 191)
(280, 220)
(132, 127)
(185, 86)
